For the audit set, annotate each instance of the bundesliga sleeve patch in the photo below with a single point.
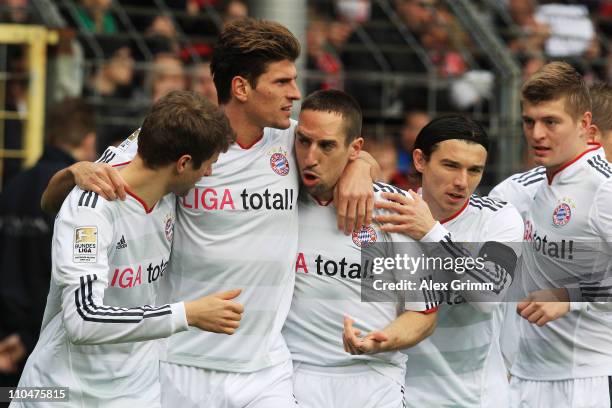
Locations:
(85, 245)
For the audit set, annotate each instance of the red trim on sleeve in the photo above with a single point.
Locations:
(455, 215)
(141, 201)
(574, 160)
(121, 164)
(429, 311)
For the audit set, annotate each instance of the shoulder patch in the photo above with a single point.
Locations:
(600, 165)
(85, 245)
(492, 204)
(530, 177)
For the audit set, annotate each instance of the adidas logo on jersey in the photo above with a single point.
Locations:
(122, 244)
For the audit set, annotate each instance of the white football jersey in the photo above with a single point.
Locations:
(237, 229)
(109, 258)
(568, 229)
(518, 190)
(461, 364)
(328, 281)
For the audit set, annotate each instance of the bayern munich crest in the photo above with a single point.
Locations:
(365, 237)
(169, 227)
(562, 215)
(280, 164)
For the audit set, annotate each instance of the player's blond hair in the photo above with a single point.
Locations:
(556, 80)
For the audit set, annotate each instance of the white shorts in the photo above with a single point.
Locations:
(344, 387)
(592, 392)
(187, 387)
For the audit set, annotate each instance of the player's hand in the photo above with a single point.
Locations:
(12, 351)
(215, 313)
(411, 217)
(355, 345)
(543, 306)
(354, 197)
(101, 178)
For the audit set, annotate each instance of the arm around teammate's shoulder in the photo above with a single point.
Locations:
(101, 178)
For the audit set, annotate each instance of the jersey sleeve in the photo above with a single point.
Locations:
(595, 292)
(83, 234)
(123, 154)
(494, 258)
(601, 214)
(417, 299)
(89, 321)
(519, 189)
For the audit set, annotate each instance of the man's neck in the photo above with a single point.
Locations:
(551, 171)
(437, 212)
(247, 133)
(147, 184)
(323, 198)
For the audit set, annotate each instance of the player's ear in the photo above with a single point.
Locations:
(593, 134)
(418, 158)
(240, 88)
(355, 147)
(182, 163)
(586, 121)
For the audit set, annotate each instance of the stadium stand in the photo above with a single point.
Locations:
(394, 56)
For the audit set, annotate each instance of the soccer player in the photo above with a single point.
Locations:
(238, 228)
(519, 189)
(601, 109)
(460, 364)
(563, 356)
(109, 258)
(330, 370)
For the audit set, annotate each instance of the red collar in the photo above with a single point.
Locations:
(141, 201)
(455, 215)
(574, 160)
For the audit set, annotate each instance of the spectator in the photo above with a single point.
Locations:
(234, 10)
(96, 17)
(16, 98)
(25, 234)
(114, 77)
(15, 11)
(354, 11)
(383, 151)
(322, 56)
(165, 75)
(161, 33)
(571, 29)
(532, 33)
(201, 81)
(416, 14)
(414, 121)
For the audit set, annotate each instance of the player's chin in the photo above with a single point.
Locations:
(282, 123)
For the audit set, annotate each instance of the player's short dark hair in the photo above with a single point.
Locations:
(69, 121)
(245, 48)
(556, 80)
(601, 100)
(339, 102)
(183, 122)
(448, 127)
